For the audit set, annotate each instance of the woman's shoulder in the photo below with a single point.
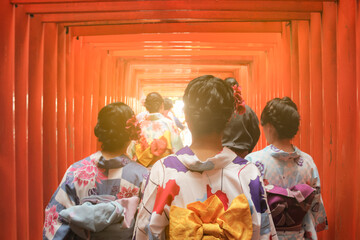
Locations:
(259, 155)
(92, 159)
(135, 167)
(306, 158)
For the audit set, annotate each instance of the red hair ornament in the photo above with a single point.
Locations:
(239, 101)
(133, 128)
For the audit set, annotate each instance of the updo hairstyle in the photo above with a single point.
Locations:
(208, 104)
(168, 105)
(153, 102)
(283, 115)
(231, 81)
(110, 128)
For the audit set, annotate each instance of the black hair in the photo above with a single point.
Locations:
(153, 102)
(110, 128)
(231, 81)
(208, 104)
(283, 115)
(168, 104)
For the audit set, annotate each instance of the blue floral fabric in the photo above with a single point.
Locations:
(119, 177)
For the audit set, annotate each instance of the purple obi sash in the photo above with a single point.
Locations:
(289, 205)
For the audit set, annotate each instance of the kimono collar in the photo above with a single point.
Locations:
(116, 162)
(192, 162)
(154, 116)
(285, 156)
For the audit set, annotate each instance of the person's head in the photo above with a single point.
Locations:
(168, 105)
(231, 81)
(154, 102)
(208, 105)
(110, 128)
(280, 119)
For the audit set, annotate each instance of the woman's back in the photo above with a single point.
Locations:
(181, 179)
(291, 176)
(285, 169)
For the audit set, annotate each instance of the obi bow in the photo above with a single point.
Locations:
(208, 220)
(147, 154)
(289, 205)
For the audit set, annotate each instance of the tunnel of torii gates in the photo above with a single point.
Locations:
(63, 60)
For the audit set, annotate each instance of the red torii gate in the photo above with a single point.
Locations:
(62, 60)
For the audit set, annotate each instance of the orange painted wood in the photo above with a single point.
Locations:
(251, 27)
(357, 196)
(316, 93)
(36, 181)
(346, 115)
(304, 86)
(7, 122)
(175, 16)
(293, 6)
(22, 26)
(50, 161)
(285, 60)
(78, 98)
(294, 82)
(329, 79)
(87, 104)
(193, 38)
(70, 133)
(61, 104)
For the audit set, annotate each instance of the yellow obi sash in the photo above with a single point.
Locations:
(157, 149)
(208, 220)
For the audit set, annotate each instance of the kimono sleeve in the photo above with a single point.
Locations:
(142, 226)
(253, 188)
(64, 197)
(315, 220)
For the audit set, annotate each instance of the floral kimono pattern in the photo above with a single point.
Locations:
(119, 177)
(181, 179)
(159, 138)
(286, 170)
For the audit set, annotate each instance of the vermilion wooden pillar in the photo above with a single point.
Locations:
(61, 103)
(357, 203)
(294, 49)
(70, 133)
(88, 89)
(21, 116)
(262, 91)
(285, 82)
(316, 120)
(304, 86)
(346, 125)
(329, 89)
(78, 98)
(95, 99)
(103, 82)
(7, 153)
(36, 181)
(50, 164)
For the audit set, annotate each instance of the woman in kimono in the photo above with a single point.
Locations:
(159, 135)
(99, 195)
(291, 176)
(205, 190)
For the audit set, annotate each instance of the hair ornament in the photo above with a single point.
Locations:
(133, 128)
(239, 101)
